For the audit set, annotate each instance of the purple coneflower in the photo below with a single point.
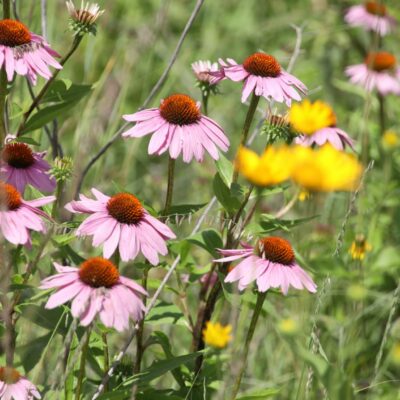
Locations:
(178, 126)
(271, 264)
(121, 222)
(24, 53)
(96, 288)
(20, 166)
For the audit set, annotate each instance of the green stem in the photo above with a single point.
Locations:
(382, 121)
(36, 101)
(139, 334)
(82, 366)
(106, 356)
(170, 188)
(3, 82)
(59, 190)
(249, 337)
(204, 96)
(246, 126)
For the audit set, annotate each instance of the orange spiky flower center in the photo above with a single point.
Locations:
(180, 109)
(380, 61)
(125, 208)
(98, 272)
(276, 249)
(375, 8)
(18, 155)
(13, 33)
(262, 64)
(9, 375)
(10, 198)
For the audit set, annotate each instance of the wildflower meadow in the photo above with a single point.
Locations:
(199, 200)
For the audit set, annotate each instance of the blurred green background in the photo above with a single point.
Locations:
(133, 45)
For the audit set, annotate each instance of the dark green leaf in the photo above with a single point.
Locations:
(225, 169)
(230, 198)
(208, 239)
(159, 368)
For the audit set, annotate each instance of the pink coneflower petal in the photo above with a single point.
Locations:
(96, 288)
(120, 222)
(271, 264)
(19, 216)
(178, 127)
(371, 16)
(262, 75)
(25, 53)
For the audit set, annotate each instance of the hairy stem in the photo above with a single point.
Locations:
(249, 337)
(170, 187)
(3, 84)
(36, 101)
(106, 356)
(82, 366)
(382, 119)
(139, 335)
(246, 126)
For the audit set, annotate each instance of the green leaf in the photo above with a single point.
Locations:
(63, 240)
(30, 353)
(165, 313)
(28, 140)
(225, 169)
(230, 198)
(48, 319)
(260, 395)
(159, 368)
(62, 91)
(209, 240)
(162, 339)
(45, 115)
(269, 224)
(62, 98)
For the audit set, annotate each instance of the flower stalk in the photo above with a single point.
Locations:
(170, 187)
(3, 83)
(82, 365)
(36, 101)
(257, 311)
(246, 126)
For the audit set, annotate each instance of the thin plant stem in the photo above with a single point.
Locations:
(249, 337)
(36, 101)
(82, 366)
(139, 335)
(106, 355)
(170, 187)
(3, 83)
(246, 126)
(56, 203)
(382, 119)
(204, 96)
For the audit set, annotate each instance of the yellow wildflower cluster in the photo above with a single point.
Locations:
(307, 117)
(390, 139)
(216, 335)
(359, 248)
(324, 169)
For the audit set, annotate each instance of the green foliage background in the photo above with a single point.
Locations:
(134, 42)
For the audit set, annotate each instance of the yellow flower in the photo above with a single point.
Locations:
(395, 353)
(390, 139)
(216, 335)
(303, 195)
(325, 169)
(272, 167)
(359, 247)
(308, 117)
(288, 326)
